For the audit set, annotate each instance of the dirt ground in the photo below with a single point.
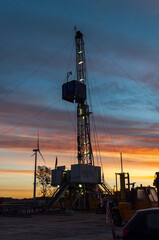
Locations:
(80, 226)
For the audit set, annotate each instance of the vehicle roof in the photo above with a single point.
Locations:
(140, 213)
(149, 210)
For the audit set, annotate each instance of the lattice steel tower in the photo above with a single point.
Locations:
(75, 91)
(85, 154)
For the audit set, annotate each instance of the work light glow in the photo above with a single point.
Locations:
(81, 79)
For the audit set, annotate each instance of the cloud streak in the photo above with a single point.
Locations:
(58, 125)
(11, 171)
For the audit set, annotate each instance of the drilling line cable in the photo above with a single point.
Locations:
(98, 148)
(68, 69)
(95, 134)
(100, 96)
(28, 119)
(110, 145)
(70, 59)
(95, 141)
(75, 116)
(73, 156)
(91, 110)
(121, 68)
(74, 148)
(74, 128)
(94, 131)
(101, 106)
(35, 71)
(126, 74)
(75, 139)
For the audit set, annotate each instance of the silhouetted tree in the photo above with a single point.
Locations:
(44, 179)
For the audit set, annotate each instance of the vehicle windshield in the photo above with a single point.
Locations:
(153, 220)
(152, 194)
(141, 195)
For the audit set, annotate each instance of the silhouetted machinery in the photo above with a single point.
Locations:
(156, 184)
(76, 188)
(80, 187)
(131, 199)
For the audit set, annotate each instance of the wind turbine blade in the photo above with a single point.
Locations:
(32, 154)
(42, 157)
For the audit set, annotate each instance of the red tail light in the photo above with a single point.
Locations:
(125, 232)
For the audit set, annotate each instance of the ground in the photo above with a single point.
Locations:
(80, 226)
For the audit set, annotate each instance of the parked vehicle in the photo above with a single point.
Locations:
(140, 198)
(143, 225)
(131, 199)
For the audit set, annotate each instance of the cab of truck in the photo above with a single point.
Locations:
(131, 200)
(144, 197)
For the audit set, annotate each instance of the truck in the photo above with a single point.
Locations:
(131, 199)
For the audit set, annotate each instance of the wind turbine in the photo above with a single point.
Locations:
(36, 151)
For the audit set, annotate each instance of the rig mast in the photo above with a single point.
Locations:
(85, 155)
(80, 182)
(75, 91)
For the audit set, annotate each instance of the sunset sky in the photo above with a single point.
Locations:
(37, 50)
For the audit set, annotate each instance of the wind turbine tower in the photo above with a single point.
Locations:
(36, 151)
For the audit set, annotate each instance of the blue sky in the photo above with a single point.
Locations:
(37, 51)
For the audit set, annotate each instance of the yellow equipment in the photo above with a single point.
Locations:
(131, 200)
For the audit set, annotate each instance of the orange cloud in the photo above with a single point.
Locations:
(16, 193)
(27, 172)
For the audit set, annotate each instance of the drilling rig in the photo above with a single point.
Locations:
(75, 91)
(77, 188)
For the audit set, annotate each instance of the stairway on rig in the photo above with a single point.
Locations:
(107, 189)
(58, 194)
